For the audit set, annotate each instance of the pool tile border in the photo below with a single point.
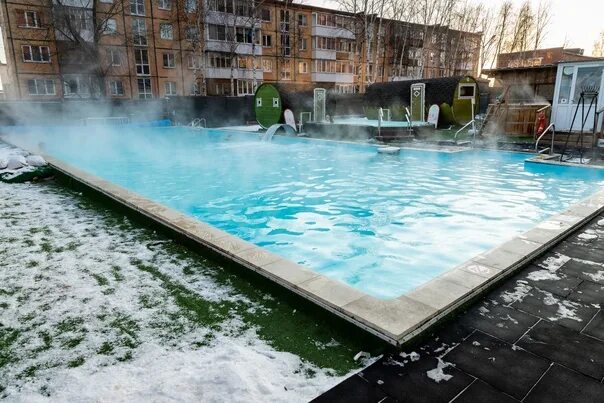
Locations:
(396, 320)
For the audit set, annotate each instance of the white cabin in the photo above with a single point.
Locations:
(572, 79)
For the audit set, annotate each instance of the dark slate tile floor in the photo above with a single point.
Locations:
(538, 337)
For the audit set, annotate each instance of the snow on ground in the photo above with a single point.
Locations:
(93, 309)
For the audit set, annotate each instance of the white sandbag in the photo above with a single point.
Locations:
(36, 161)
(16, 162)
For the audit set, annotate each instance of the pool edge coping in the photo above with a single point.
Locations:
(395, 320)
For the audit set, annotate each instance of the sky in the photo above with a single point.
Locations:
(578, 22)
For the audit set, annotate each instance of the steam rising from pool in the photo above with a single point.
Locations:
(384, 224)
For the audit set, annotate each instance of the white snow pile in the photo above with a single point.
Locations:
(14, 159)
(551, 265)
(437, 374)
(91, 325)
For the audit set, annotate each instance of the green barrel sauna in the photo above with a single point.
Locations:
(268, 105)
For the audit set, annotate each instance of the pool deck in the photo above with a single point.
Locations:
(395, 320)
(538, 337)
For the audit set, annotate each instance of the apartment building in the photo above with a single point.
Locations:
(157, 48)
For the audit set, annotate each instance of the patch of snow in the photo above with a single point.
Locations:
(520, 292)
(553, 263)
(475, 343)
(601, 223)
(540, 275)
(437, 374)
(566, 309)
(597, 277)
(588, 237)
(36, 161)
(413, 356)
(92, 282)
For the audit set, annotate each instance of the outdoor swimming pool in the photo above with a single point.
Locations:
(383, 224)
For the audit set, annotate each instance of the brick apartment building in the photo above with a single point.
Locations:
(157, 48)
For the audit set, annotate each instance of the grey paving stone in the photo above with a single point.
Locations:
(352, 390)
(512, 371)
(580, 251)
(571, 314)
(560, 283)
(500, 321)
(572, 349)
(410, 383)
(596, 326)
(582, 270)
(480, 392)
(563, 385)
(589, 293)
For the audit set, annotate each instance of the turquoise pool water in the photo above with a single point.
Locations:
(358, 121)
(383, 224)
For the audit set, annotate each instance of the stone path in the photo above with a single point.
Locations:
(539, 337)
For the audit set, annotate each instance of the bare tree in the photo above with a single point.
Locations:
(190, 18)
(523, 32)
(79, 27)
(598, 50)
(542, 18)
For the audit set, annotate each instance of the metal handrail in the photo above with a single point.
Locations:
(551, 148)
(544, 108)
(197, 122)
(464, 126)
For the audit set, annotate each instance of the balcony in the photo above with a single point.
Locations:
(324, 54)
(226, 47)
(340, 78)
(331, 32)
(225, 73)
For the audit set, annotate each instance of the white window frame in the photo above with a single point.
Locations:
(114, 55)
(265, 43)
(142, 68)
(169, 60)
(139, 31)
(267, 63)
(164, 4)
(137, 7)
(31, 53)
(302, 70)
(28, 24)
(166, 31)
(170, 88)
(45, 85)
(110, 26)
(114, 86)
(147, 89)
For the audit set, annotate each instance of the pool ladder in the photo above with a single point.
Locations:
(551, 147)
(197, 123)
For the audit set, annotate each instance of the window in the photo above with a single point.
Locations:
(137, 7)
(169, 61)
(192, 34)
(284, 18)
(322, 42)
(244, 63)
(302, 44)
(114, 57)
(28, 19)
(190, 6)
(110, 26)
(220, 60)
(41, 87)
(267, 41)
(165, 4)
(588, 80)
(35, 54)
(467, 91)
(116, 88)
(194, 62)
(144, 88)
(285, 46)
(302, 20)
(141, 60)
(170, 87)
(107, 1)
(244, 35)
(166, 31)
(217, 32)
(243, 8)
(267, 65)
(245, 87)
(139, 32)
(286, 70)
(265, 14)
(302, 67)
